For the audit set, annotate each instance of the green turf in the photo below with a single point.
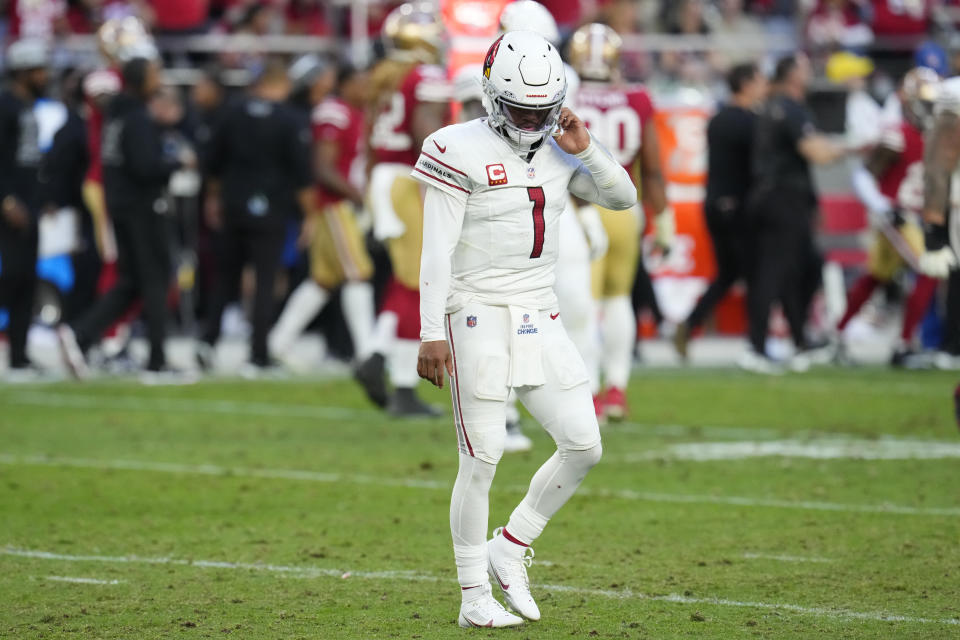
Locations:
(660, 548)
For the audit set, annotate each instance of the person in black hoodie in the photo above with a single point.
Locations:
(135, 175)
(20, 159)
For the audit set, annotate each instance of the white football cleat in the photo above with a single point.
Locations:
(510, 572)
(485, 611)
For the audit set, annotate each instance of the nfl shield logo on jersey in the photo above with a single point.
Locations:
(526, 318)
(531, 173)
(471, 321)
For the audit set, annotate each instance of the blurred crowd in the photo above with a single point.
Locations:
(201, 272)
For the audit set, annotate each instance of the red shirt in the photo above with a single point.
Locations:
(616, 116)
(391, 137)
(896, 17)
(903, 182)
(335, 120)
(179, 15)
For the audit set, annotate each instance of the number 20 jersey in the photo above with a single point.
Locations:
(509, 240)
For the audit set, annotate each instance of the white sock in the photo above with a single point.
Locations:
(619, 335)
(552, 485)
(304, 304)
(469, 509)
(357, 301)
(384, 333)
(402, 363)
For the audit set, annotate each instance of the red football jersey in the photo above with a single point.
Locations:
(335, 120)
(616, 117)
(903, 182)
(96, 86)
(391, 138)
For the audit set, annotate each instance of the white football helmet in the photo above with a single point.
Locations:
(524, 85)
(529, 15)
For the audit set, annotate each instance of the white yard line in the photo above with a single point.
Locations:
(411, 483)
(81, 580)
(821, 448)
(785, 558)
(412, 576)
(150, 404)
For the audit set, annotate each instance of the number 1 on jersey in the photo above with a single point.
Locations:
(536, 197)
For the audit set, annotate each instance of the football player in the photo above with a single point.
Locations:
(890, 185)
(409, 101)
(496, 189)
(941, 206)
(338, 254)
(620, 117)
(119, 40)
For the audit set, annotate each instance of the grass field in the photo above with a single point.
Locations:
(293, 510)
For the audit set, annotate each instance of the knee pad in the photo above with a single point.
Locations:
(583, 458)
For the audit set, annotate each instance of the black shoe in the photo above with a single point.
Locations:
(405, 404)
(901, 357)
(372, 376)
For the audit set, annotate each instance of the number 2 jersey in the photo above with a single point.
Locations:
(391, 137)
(508, 240)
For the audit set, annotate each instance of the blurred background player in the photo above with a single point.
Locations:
(890, 186)
(259, 176)
(941, 205)
(338, 255)
(729, 175)
(136, 170)
(782, 207)
(20, 197)
(409, 101)
(620, 118)
(119, 40)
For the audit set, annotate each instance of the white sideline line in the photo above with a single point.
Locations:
(823, 448)
(412, 576)
(286, 410)
(409, 483)
(785, 558)
(81, 580)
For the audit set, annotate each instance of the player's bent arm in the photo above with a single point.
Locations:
(819, 149)
(442, 221)
(326, 174)
(601, 180)
(654, 189)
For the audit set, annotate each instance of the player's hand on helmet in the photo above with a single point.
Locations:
(571, 135)
(939, 263)
(593, 229)
(433, 359)
(665, 230)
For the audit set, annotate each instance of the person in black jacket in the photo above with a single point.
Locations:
(259, 174)
(20, 159)
(64, 168)
(135, 175)
(729, 176)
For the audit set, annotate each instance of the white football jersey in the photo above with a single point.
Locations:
(509, 240)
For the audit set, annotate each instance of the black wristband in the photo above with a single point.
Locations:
(935, 236)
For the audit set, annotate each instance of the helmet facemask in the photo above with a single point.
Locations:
(524, 127)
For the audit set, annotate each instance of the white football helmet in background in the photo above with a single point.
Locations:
(527, 15)
(524, 85)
